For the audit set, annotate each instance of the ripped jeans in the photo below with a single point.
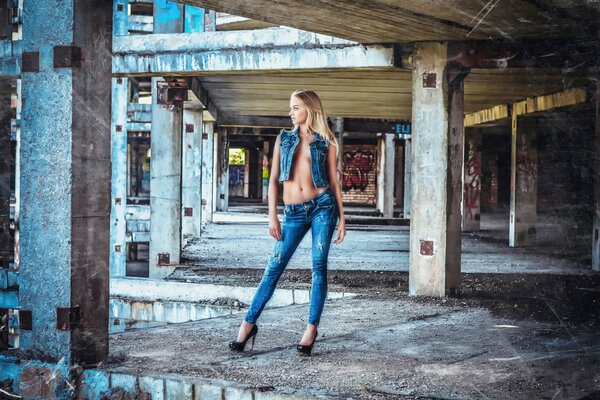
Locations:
(319, 214)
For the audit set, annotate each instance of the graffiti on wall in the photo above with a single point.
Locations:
(236, 175)
(526, 168)
(357, 165)
(472, 182)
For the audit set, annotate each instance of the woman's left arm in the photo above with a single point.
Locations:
(337, 191)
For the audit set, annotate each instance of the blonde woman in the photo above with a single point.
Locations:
(305, 160)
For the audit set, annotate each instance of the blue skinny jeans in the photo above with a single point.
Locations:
(320, 214)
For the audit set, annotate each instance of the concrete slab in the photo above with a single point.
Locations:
(376, 348)
(366, 248)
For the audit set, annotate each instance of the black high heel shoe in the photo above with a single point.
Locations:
(239, 346)
(306, 349)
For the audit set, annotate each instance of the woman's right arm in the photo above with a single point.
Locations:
(274, 225)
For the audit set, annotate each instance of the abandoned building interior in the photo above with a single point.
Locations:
(136, 143)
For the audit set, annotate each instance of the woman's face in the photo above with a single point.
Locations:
(298, 111)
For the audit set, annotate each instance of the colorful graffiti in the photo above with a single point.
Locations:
(526, 168)
(472, 182)
(236, 175)
(357, 165)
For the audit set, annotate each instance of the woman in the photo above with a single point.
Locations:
(305, 160)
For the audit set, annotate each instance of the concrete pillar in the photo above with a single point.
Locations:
(6, 167)
(165, 162)
(385, 176)
(399, 176)
(222, 162)
(118, 156)
(338, 128)
(407, 177)
(456, 134)
(472, 181)
(65, 191)
(596, 189)
(265, 172)
(436, 173)
(208, 181)
(191, 173)
(523, 184)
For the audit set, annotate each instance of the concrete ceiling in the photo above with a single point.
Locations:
(370, 94)
(387, 93)
(384, 21)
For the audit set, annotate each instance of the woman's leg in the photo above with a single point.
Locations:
(323, 225)
(292, 232)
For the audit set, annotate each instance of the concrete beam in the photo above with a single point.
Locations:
(546, 102)
(272, 49)
(10, 57)
(565, 98)
(523, 54)
(250, 121)
(491, 114)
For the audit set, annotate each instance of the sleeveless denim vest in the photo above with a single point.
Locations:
(319, 149)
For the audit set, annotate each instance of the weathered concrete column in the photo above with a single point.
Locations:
(472, 181)
(596, 189)
(338, 128)
(385, 176)
(456, 134)
(165, 162)
(65, 191)
(222, 163)
(265, 172)
(208, 176)
(191, 173)
(407, 177)
(436, 174)
(399, 176)
(6, 166)
(523, 183)
(118, 243)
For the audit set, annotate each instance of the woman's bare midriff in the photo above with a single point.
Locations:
(300, 186)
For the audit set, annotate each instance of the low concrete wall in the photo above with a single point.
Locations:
(169, 387)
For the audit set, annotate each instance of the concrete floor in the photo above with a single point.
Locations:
(525, 326)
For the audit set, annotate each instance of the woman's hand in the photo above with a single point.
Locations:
(275, 228)
(341, 232)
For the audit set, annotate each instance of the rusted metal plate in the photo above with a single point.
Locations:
(203, 202)
(67, 318)
(67, 57)
(429, 80)
(30, 61)
(189, 128)
(164, 259)
(426, 247)
(188, 211)
(25, 320)
(177, 94)
(204, 135)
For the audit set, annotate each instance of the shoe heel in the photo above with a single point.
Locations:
(252, 345)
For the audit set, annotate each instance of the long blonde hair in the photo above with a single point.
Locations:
(316, 120)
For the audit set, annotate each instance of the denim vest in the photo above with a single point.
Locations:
(319, 149)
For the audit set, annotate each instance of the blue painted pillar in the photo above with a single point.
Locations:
(6, 168)
(165, 163)
(65, 189)
(119, 154)
(191, 173)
